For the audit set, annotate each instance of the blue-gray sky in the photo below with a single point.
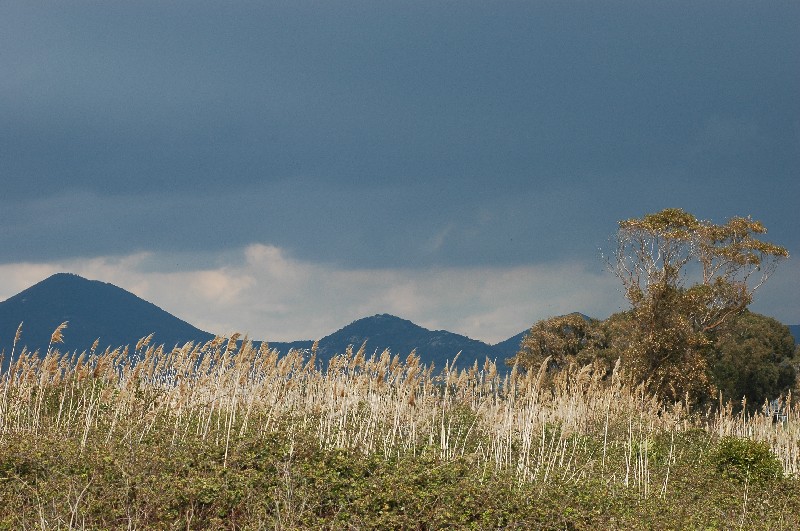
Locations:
(283, 168)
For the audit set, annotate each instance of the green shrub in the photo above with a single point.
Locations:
(746, 460)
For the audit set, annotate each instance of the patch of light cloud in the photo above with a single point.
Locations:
(267, 294)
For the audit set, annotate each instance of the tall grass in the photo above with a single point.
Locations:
(224, 389)
(576, 427)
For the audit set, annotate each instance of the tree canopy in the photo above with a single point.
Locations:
(753, 357)
(562, 341)
(685, 277)
(689, 283)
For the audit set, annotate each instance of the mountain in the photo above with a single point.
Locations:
(98, 310)
(510, 346)
(795, 330)
(401, 336)
(95, 310)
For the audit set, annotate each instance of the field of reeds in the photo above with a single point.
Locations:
(226, 435)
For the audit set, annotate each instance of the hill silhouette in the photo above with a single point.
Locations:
(94, 310)
(795, 330)
(401, 336)
(510, 346)
(99, 310)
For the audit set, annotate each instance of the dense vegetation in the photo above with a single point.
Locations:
(220, 435)
(687, 335)
(750, 360)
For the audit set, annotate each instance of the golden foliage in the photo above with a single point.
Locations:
(684, 277)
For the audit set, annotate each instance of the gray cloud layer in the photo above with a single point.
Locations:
(390, 134)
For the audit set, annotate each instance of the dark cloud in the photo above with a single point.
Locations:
(373, 134)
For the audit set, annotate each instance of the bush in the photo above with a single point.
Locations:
(753, 357)
(746, 460)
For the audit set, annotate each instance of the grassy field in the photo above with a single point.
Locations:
(221, 435)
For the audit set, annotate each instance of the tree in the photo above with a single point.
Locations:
(684, 278)
(563, 341)
(753, 357)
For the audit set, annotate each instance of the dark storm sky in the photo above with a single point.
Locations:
(375, 136)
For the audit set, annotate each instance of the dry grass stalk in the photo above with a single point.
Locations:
(226, 389)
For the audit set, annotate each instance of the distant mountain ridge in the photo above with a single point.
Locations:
(401, 336)
(795, 330)
(99, 310)
(94, 310)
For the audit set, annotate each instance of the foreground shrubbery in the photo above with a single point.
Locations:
(225, 436)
